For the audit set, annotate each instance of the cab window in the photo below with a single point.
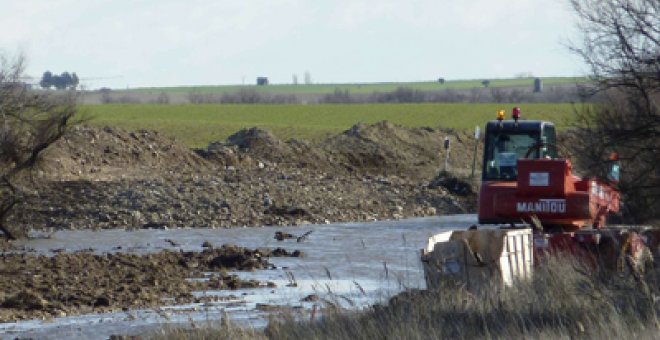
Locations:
(503, 151)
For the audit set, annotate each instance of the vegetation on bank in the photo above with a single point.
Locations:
(564, 300)
(197, 125)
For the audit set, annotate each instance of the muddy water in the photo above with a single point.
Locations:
(351, 265)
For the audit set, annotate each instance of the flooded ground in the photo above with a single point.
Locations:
(350, 265)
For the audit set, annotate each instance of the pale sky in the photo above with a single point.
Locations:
(203, 42)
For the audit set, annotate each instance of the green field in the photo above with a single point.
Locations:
(197, 125)
(357, 88)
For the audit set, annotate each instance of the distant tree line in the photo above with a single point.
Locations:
(63, 81)
(242, 96)
(551, 94)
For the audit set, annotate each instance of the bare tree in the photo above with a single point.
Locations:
(30, 122)
(621, 45)
(621, 40)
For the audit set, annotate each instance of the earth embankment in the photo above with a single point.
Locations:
(111, 178)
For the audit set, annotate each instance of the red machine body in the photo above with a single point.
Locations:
(547, 189)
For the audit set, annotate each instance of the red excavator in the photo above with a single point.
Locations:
(525, 183)
(524, 180)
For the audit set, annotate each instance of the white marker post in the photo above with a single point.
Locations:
(477, 133)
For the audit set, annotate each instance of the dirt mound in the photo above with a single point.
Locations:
(400, 150)
(255, 147)
(111, 178)
(254, 138)
(225, 154)
(41, 286)
(455, 185)
(112, 151)
(465, 189)
(379, 149)
(249, 148)
(385, 147)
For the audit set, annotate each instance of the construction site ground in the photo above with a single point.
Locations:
(109, 178)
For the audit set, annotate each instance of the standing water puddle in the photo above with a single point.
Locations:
(352, 265)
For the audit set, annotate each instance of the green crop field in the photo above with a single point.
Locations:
(358, 88)
(197, 125)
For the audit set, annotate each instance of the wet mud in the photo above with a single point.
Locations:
(40, 286)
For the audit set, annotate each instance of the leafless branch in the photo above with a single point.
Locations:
(621, 45)
(30, 121)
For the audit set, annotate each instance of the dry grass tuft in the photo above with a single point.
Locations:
(222, 330)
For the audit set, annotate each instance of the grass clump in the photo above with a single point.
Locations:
(563, 300)
(225, 330)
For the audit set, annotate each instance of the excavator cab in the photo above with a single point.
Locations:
(520, 165)
(509, 141)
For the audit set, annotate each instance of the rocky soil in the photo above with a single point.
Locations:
(109, 178)
(38, 286)
(231, 198)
